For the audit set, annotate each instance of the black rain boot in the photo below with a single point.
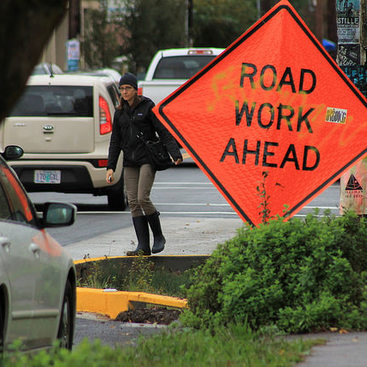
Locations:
(142, 234)
(155, 225)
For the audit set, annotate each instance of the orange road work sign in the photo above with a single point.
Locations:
(274, 101)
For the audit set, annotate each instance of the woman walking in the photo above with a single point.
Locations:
(134, 118)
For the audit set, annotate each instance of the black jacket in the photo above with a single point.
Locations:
(127, 124)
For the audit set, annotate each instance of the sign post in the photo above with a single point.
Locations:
(273, 102)
(352, 38)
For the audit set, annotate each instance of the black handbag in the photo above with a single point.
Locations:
(157, 153)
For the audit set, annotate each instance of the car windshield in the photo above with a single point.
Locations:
(55, 101)
(46, 68)
(181, 67)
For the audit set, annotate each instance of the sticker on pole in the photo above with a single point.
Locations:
(273, 109)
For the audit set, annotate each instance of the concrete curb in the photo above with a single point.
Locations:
(111, 302)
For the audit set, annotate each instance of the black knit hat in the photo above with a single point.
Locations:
(130, 79)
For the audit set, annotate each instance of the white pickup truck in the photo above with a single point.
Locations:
(169, 69)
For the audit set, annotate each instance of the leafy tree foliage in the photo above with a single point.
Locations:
(138, 28)
(217, 23)
(220, 22)
(151, 25)
(100, 44)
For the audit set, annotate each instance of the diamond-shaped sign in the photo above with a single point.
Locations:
(274, 101)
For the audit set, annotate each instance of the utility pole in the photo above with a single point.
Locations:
(351, 57)
(319, 19)
(258, 7)
(351, 31)
(189, 22)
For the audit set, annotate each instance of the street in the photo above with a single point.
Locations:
(180, 192)
(112, 333)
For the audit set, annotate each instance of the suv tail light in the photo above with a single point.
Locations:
(102, 162)
(140, 91)
(105, 122)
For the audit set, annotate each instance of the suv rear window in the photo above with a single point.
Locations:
(55, 101)
(180, 67)
(114, 94)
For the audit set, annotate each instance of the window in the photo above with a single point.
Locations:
(55, 101)
(16, 199)
(114, 94)
(180, 67)
(5, 212)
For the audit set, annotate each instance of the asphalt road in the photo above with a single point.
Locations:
(112, 333)
(180, 192)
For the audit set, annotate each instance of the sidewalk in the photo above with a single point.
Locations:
(340, 350)
(184, 235)
(200, 236)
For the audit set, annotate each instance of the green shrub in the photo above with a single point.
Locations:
(300, 275)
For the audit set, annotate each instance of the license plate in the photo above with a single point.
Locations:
(47, 177)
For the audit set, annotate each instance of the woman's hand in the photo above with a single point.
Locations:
(109, 175)
(178, 161)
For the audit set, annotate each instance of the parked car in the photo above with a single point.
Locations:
(64, 123)
(169, 69)
(46, 68)
(114, 74)
(37, 277)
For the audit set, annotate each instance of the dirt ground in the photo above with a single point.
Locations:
(154, 315)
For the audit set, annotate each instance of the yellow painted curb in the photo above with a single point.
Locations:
(87, 260)
(111, 302)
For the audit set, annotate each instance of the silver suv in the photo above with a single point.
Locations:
(63, 123)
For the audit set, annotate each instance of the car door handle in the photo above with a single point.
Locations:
(35, 249)
(5, 243)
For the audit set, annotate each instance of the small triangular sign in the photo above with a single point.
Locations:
(274, 101)
(353, 184)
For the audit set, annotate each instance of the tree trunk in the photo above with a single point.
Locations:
(26, 26)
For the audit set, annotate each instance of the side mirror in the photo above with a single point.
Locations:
(12, 152)
(57, 214)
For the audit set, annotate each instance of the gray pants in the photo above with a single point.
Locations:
(138, 184)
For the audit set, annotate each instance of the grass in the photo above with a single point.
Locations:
(227, 346)
(232, 346)
(142, 276)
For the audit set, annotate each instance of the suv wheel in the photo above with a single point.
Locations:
(65, 333)
(116, 200)
(116, 196)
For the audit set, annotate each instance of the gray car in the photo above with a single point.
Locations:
(37, 277)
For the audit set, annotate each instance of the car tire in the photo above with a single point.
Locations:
(66, 326)
(116, 200)
(116, 197)
(2, 323)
